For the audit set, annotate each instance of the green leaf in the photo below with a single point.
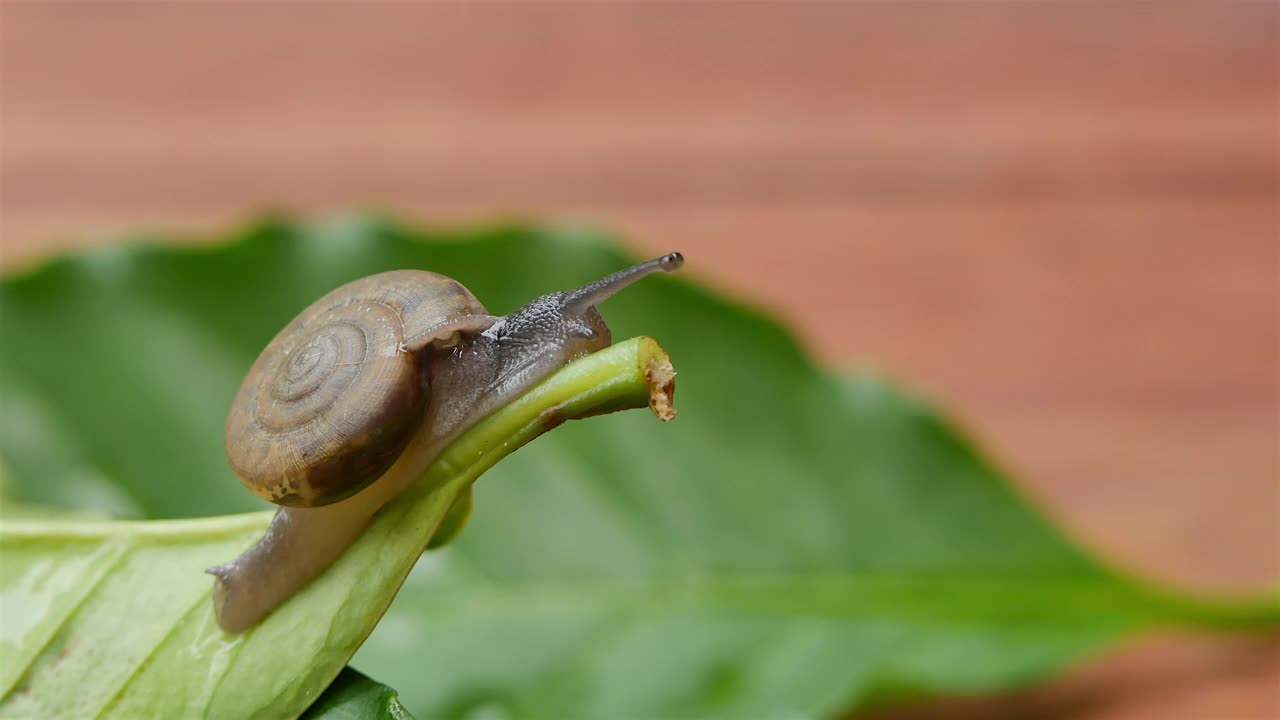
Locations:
(797, 544)
(352, 696)
(67, 586)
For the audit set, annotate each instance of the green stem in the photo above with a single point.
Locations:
(631, 374)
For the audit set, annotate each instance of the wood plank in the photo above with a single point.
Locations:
(1060, 218)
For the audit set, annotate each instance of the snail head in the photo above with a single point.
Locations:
(562, 326)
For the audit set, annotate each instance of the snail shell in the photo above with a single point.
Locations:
(336, 396)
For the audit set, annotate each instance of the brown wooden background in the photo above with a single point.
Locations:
(1061, 219)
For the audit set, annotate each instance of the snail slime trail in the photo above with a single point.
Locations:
(355, 398)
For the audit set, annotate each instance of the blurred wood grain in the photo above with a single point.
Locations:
(1060, 219)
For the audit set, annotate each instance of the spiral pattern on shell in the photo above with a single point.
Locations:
(338, 393)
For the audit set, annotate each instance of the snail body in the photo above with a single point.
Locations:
(355, 398)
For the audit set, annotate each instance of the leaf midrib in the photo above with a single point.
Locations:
(839, 595)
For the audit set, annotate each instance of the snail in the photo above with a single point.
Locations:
(354, 399)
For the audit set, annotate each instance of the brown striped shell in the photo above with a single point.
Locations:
(338, 393)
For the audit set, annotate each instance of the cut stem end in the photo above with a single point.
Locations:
(661, 379)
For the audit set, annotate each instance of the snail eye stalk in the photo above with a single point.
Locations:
(604, 288)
